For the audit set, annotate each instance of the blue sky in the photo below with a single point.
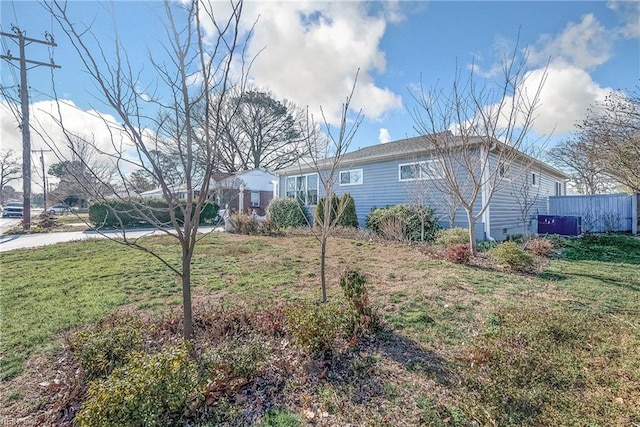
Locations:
(310, 52)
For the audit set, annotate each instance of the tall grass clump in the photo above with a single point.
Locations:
(419, 223)
(452, 236)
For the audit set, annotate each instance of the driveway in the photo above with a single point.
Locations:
(24, 241)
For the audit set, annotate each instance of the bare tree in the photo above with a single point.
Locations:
(182, 115)
(10, 169)
(141, 181)
(526, 194)
(579, 158)
(325, 158)
(83, 175)
(491, 125)
(613, 126)
(420, 193)
(262, 132)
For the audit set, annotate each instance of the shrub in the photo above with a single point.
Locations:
(244, 223)
(348, 218)
(539, 246)
(148, 391)
(511, 255)
(393, 228)
(486, 245)
(108, 346)
(286, 212)
(419, 221)
(118, 213)
(452, 236)
(315, 326)
(353, 284)
(318, 217)
(458, 254)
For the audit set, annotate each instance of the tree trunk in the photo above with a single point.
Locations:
(323, 251)
(186, 293)
(473, 247)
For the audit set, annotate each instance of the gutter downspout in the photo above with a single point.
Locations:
(484, 192)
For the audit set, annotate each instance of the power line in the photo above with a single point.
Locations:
(22, 41)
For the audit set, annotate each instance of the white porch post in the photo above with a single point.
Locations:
(241, 199)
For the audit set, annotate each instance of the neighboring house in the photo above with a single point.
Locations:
(248, 191)
(389, 174)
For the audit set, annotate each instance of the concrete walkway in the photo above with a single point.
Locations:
(25, 241)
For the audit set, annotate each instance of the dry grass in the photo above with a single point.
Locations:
(447, 354)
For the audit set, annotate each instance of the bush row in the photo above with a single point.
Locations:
(118, 213)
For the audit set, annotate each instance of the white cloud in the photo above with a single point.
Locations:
(565, 97)
(584, 45)
(47, 133)
(569, 89)
(630, 14)
(309, 52)
(384, 136)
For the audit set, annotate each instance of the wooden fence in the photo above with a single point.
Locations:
(600, 213)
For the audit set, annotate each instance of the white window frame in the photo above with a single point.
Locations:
(350, 172)
(255, 204)
(420, 168)
(559, 188)
(305, 187)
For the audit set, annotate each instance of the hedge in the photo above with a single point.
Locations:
(285, 212)
(118, 213)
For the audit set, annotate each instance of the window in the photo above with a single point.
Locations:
(303, 187)
(255, 199)
(559, 188)
(352, 177)
(431, 169)
(534, 179)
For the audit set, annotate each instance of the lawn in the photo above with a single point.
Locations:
(459, 343)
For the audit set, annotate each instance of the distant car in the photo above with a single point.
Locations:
(14, 209)
(59, 209)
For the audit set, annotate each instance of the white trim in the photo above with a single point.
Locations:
(350, 171)
(535, 179)
(484, 193)
(306, 189)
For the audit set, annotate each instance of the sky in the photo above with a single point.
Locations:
(309, 52)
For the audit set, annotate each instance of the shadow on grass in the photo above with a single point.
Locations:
(359, 373)
(556, 277)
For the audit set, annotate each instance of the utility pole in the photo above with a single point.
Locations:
(44, 178)
(24, 101)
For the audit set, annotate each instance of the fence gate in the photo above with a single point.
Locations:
(600, 213)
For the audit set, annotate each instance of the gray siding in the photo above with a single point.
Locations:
(381, 187)
(509, 197)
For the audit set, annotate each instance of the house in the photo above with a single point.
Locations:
(248, 191)
(393, 173)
